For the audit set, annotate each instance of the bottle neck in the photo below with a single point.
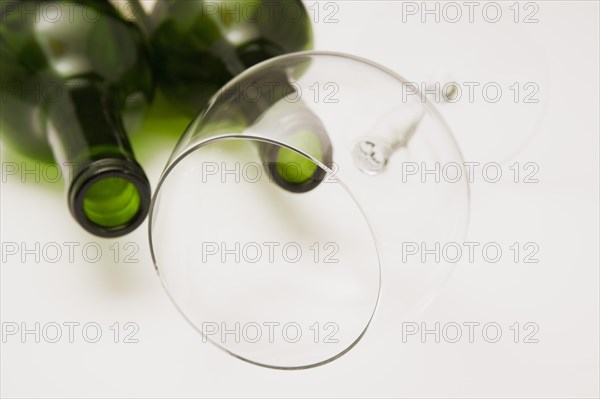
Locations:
(109, 193)
(279, 113)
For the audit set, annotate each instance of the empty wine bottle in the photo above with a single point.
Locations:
(74, 74)
(198, 46)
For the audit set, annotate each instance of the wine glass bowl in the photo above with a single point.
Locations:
(271, 230)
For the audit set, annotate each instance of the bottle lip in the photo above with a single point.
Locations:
(317, 178)
(127, 169)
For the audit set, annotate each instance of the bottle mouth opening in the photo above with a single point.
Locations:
(111, 202)
(110, 199)
(295, 172)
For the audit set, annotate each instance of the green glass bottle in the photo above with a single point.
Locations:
(198, 46)
(73, 75)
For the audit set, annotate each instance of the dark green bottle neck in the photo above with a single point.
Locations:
(109, 193)
(271, 88)
(276, 88)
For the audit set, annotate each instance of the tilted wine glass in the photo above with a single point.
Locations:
(289, 279)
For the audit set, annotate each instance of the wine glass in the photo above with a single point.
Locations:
(288, 278)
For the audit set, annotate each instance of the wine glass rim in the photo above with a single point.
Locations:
(252, 137)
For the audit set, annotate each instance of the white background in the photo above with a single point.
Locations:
(559, 213)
